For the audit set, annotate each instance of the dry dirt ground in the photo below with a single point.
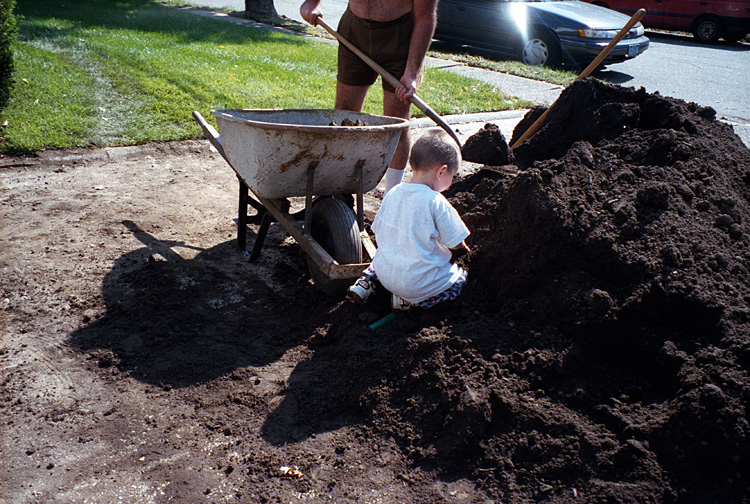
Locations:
(143, 360)
(599, 353)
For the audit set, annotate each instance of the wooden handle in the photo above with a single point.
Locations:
(211, 134)
(393, 81)
(586, 72)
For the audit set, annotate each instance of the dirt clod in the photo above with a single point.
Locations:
(487, 146)
(348, 122)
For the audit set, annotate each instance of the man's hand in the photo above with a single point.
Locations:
(425, 19)
(407, 89)
(310, 11)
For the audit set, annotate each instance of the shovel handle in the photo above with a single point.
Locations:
(393, 81)
(586, 72)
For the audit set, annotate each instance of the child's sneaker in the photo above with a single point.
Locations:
(361, 290)
(399, 303)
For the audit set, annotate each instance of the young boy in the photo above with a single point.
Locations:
(416, 228)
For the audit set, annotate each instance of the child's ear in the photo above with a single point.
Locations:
(441, 171)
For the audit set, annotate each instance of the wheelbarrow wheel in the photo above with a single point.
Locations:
(334, 227)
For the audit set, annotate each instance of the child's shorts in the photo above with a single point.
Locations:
(448, 294)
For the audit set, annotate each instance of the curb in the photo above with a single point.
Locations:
(479, 117)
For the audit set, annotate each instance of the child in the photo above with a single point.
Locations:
(416, 228)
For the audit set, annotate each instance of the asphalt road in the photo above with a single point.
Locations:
(675, 65)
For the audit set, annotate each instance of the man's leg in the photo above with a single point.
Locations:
(394, 107)
(350, 97)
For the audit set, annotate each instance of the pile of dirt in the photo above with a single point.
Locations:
(601, 349)
(488, 147)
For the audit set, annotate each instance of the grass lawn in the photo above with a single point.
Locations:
(123, 72)
(467, 56)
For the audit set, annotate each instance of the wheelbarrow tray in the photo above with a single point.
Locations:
(274, 151)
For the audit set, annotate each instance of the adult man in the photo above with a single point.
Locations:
(394, 33)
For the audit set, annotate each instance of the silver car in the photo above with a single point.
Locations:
(539, 32)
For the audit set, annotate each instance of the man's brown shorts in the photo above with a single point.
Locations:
(385, 42)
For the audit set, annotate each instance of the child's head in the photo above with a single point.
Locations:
(436, 152)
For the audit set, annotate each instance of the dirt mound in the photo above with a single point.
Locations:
(487, 146)
(602, 347)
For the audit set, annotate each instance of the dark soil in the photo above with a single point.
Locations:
(599, 352)
(488, 147)
(619, 258)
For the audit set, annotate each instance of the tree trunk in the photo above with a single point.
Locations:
(260, 8)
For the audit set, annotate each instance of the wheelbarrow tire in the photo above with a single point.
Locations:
(334, 227)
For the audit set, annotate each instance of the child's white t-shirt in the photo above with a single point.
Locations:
(415, 228)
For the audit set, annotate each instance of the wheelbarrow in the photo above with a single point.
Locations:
(280, 154)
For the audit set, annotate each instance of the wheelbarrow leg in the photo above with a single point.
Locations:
(242, 221)
(268, 219)
(261, 237)
(262, 217)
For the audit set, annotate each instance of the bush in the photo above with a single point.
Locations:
(7, 37)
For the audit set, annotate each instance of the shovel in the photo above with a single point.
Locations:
(592, 66)
(391, 80)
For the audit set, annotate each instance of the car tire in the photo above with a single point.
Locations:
(707, 29)
(541, 48)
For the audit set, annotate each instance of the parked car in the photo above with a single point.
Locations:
(707, 20)
(539, 32)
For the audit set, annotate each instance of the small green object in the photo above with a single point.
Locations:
(380, 323)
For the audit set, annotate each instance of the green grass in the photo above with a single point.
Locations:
(124, 72)
(554, 76)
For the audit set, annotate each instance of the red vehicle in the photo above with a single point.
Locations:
(707, 20)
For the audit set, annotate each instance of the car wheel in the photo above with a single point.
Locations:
(707, 29)
(541, 48)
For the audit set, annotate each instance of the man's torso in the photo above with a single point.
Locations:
(380, 10)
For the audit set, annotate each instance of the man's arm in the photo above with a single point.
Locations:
(425, 19)
(310, 10)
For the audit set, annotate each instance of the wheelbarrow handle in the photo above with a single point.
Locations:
(393, 81)
(211, 134)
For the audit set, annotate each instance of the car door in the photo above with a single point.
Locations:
(679, 14)
(484, 23)
(654, 17)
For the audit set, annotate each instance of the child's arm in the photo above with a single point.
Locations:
(459, 250)
(462, 247)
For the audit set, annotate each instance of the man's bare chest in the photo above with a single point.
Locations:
(380, 10)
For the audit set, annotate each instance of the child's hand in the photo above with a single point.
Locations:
(462, 247)
(460, 250)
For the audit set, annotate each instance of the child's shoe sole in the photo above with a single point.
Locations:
(360, 291)
(399, 304)
(354, 297)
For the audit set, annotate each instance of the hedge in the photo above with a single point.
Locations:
(7, 37)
